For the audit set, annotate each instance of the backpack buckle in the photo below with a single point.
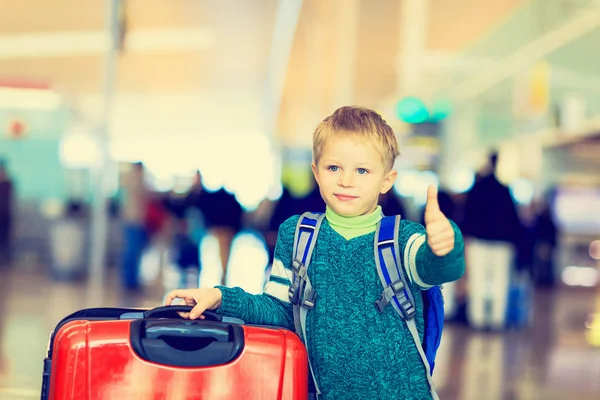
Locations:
(381, 303)
(386, 296)
(299, 272)
(293, 295)
(309, 298)
(396, 289)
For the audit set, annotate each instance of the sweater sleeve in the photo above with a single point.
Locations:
(424, 267)
(273, 306)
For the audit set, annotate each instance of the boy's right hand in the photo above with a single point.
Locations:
(200, 299)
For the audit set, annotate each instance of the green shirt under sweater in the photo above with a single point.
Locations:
(356, 352)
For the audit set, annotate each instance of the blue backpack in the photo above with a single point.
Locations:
(396, 290)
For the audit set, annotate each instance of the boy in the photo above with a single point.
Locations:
(355, 352)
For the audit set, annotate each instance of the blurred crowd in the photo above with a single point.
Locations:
(513, 244)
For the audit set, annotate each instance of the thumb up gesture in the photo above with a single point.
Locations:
(440, 235)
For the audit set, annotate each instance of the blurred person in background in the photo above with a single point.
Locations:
(223, 218)
(134, 213)
(222, 215)
(545, 242)
(391, 204)
(492, 229)
(5, 293)
(187, 242)
(287, 206)
(284, 207)
(525, 251)
(156, 216)
(6, 214)
(312, 201)
(68, 262)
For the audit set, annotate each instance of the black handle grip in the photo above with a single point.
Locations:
(171, 312)
(183, 343)
(165, 329)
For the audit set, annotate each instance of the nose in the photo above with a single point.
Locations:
(346, 179)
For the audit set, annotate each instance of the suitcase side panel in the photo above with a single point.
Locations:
(85, 353)
(295, 376)
(68, 378)
(95, 361)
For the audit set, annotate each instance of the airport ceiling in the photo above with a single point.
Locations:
(202, 46)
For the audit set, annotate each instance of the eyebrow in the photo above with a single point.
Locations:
(357, 165)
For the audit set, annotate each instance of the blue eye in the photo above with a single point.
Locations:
(362, 171)
(333, 168)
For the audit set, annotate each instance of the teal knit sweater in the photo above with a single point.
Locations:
(356, 352)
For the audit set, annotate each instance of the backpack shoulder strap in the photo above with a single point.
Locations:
(387, 258)
(396, 290)
(302, 295)
(305, 237)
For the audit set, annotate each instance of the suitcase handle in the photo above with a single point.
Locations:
(182, 343)
(171, 312)
(187, 329)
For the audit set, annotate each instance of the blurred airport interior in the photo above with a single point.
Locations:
(147, 145)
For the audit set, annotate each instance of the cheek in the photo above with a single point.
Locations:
(372, 185)
(326, 179)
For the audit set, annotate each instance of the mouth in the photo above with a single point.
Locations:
(345, 197)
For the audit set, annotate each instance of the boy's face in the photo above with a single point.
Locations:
(351, 175)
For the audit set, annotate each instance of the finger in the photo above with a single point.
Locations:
(184, 315)
(432, 199)
(170, 297)
(189, 301)
(198, 310)
(176, 294)
(438, 240)
(438, 245)
(441, 245)
(437, 228)
(442, 249)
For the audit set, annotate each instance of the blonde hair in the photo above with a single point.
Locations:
(361, 122)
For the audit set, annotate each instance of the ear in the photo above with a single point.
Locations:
(313, 166)
(389, 181)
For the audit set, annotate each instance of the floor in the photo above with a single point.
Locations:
(552, 360)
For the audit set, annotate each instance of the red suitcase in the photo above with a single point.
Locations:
(102, 354)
